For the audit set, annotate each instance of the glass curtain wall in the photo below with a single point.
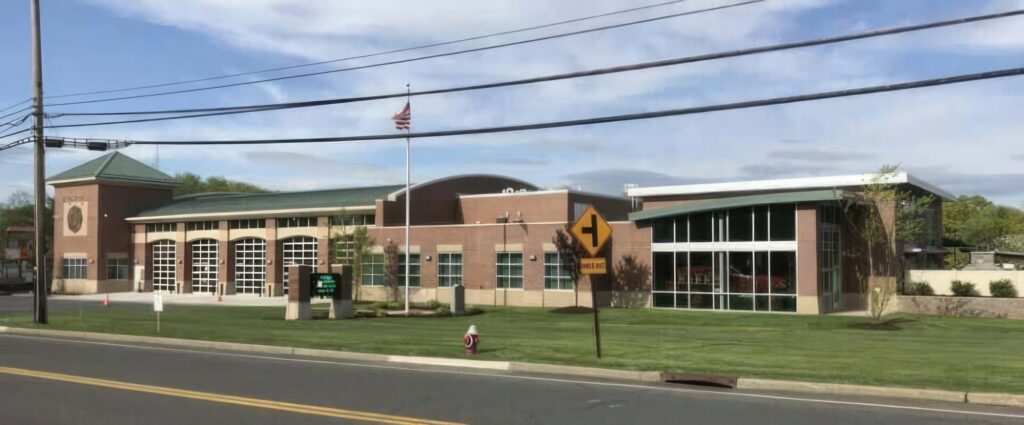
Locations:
(738, 259)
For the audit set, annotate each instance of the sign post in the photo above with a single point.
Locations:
(158, 306)
(592, 232)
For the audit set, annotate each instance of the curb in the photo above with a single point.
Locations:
(997, 399)
(856, 390)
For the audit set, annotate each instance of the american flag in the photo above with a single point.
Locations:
(403, 118)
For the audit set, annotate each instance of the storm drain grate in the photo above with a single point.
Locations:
(717, 381)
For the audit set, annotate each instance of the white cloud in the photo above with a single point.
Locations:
(970, 126)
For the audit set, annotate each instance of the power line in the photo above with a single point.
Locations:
(16, 104)
(17, 121)
(415, 59)
(368, 55)
(11, 133)
(15, 112)
(207, 112)
(963, 78)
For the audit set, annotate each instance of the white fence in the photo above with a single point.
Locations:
(940, 279)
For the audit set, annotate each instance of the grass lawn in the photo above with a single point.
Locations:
(971, 354)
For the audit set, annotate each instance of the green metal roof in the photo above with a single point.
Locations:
(214, 203)
(739, 201)
(114, 166)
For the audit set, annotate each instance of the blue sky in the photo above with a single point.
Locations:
(964, 138)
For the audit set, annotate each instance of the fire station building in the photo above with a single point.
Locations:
(773, 246)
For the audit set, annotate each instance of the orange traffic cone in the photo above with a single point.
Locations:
(106, 300)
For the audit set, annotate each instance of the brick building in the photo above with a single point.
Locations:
(118, 228)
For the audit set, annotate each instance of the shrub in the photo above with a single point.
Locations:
(430, 305)
(387, 305)
(963, 289)
(1002, 288)
(918, 288)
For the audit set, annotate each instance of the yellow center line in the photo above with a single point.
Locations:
(224, 398)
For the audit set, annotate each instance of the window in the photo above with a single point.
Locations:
(164, 266)
(353, 220)
(297, 251)
(162, 227)
(12, 244)
(682, 229)
(414, 269)
(117, 268)
(250, 266)
(373, 269)
(509, 270)
(204, 266)
(201, 225)
(663, 268)
(556, 275)
(741, 225)
(297, 222)
(702, 228)
(783, 222)
(663, 230)
(449, 269)
(761, 223)
(345, 250)
(741, 282)
(74, 268)
(247, 224)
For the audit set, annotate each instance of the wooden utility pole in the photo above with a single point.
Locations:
(39, 298)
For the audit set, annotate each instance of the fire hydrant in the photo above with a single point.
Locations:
(471, 340)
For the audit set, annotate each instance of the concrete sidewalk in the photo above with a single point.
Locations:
(181, 299)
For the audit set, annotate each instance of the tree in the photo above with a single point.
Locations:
(882, 218)
(350, 247)
(632, 279)
(391, 270)
(193, 183)
(19, 210)
(569, 254)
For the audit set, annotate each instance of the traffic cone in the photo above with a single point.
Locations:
(106, 300)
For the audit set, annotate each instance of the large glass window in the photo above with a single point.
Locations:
(298, 251)
(761, 223)
(682, 229)
(663, 269)
(556, 275)
(740, 285)
(449, 269)
(509, 267)
(165, 266)
(250, 266)
(74, 268)
(204, 266)
(345, 250)
(702, 228)
(783, 222)
(741, 224)
(353, 220)
(373, 269)
(117, 268)
(414, 269)
(702, 275)
(663, 230)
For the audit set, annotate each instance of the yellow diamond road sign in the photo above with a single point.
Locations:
(591, 231)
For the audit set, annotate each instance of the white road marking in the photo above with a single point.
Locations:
(531, 378)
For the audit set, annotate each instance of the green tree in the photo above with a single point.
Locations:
(193, 183)
(569, 254)
(19, 210)
(882, 217)
(350, 246)
(391, 271)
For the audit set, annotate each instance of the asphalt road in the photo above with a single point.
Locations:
(53, 381)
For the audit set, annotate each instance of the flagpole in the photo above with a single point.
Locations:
(408, 195)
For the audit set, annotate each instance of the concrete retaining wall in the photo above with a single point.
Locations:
(940, 279)
(1011, 308)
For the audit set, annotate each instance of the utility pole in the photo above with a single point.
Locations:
(39, 299)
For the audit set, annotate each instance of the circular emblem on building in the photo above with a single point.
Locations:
(74, 219)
